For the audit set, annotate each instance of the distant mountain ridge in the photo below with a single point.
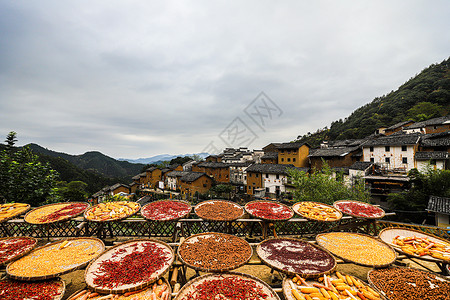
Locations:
(160, 158)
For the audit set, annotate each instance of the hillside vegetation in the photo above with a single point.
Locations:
(425, 96)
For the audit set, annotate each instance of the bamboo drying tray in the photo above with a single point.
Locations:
(291, 212)
(168, 217)
(138, 207)
(218, 216)
(39, 212)
(285, 269)
(61, 290)
(410, 285)
(381, 211)
(197, 239)
(191, 285)
(288, 283)
(388, 234)
(122, 296)
(108, 254)
(15, 214)
(296, 208)
(21, 253)
(32, 259)
(355, 247)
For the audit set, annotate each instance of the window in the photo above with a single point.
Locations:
(249, 188)
(372, 159)
(282, 159)
(405, 160)
(387, 160)
(293, 159)
(371, 148)
(267, 190)
(387, 148)
(404, 148)
(289, 159)
(249, 174)
(278, 176)
(256, 175)
(267, 175)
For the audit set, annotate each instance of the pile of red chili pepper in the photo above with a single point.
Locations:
(269, 210)
(165, 210)
(359, 209)
(10, 248)
(132, 268)
(230, 287)
(18, 290)
(69, 210)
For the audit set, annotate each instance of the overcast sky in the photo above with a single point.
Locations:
(139, 78)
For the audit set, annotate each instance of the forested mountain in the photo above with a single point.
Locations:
(95, 161)
(425, 96)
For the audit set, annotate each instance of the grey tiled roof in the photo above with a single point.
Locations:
(436, 139)
(332, 152)
(151, 169)
(270, 155)
(395, 126)
(207, 164)
(439, 205)
(430, 122)
(192, 176)
(273, 168)
(361, 165)
(177, 173)
(394, 140)
(426, 155)
(345, 143)
(115, 186)
(294, 145)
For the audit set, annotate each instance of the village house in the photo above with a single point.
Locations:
(397, 127)
(172, 181)
(110, 191)
(268, 179)
(218, 170)
(334, 157)
(434, 150)
(153, 175)
(293, 153)
(440, 206)
(269, 158)
(195, 182)
(435, 125)
(238, 175)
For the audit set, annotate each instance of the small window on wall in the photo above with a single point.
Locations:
(282, 159)
(293, 159)
(267, 175)
(289, 159)
(278, 176)
(387, 148)
(267, 190)
(372, 159)
(387, 160)
(405, 160)
(404, 148)
(371, 148)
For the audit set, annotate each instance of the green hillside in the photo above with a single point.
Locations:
(425, 96)
(95, 161)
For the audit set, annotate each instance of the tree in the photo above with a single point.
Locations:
(322, 186)
(424, 110)
(23, 178)
(10, 140)
(73, 191)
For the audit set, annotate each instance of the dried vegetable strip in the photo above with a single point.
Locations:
(21, 290)
(421, 246)
(407, 284)
(357, 248)
(10, 210)
(165, 210)
(295, 256)
(269, 210)
(317, 211)
(359, 209)
(54, 259)
(129, 265)
(110, 211)
(13, 247)
(225, 287)
(158, 291)
(335, 286)
(218, 210)
(215, 251)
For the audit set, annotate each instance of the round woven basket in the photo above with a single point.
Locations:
(121, 297)
(113, 219)
(217, 218)
(169, 219)
(356, 215)
(199, 268)
(61, 290)
(56, 274)
(92, 268)
(267, 262)
(18, 213)
(347, 259)
(297, 205)
(21, 254)
(378, 289)
(65, 218)
(191, 285)
(268, 219)
(388, 234)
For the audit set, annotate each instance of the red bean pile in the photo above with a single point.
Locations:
(409, 284)
(219, 210)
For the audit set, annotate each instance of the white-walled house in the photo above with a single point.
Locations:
(395, 152)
